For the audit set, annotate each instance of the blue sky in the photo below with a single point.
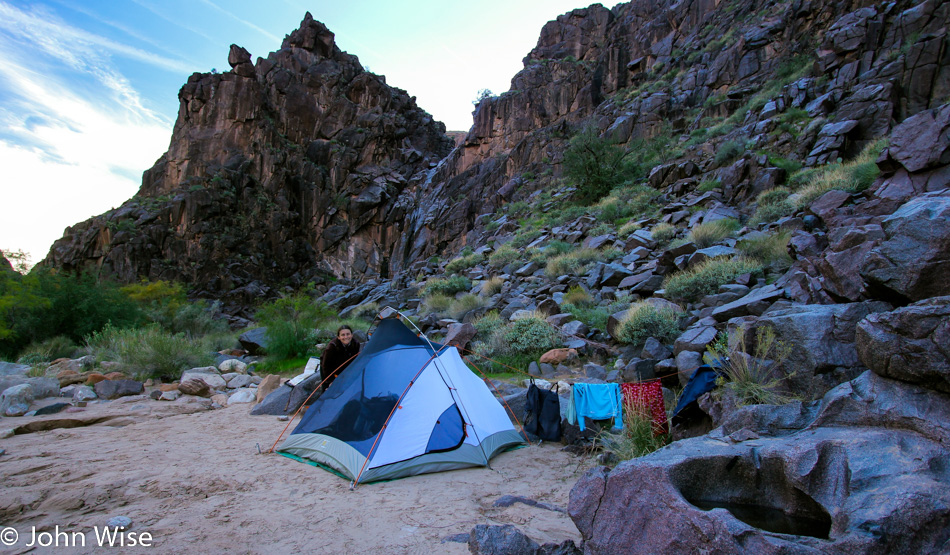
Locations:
(89, 88)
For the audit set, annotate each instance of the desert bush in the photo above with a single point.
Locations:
(446, 286)
(365, 311)
(705, 278)
(772, 248)
(663, 232)
(149, 351)
(503, 256)
(644, 320)
(594, 165)
(709, 185)
(596, 316)
(579, 296)
(492, 286)
(487, 324)
(729, 151)
(573, 262)
(464, 304)
(707, 234)
(637, 438)
(628, 228)
(854, 176)
(754, 377)
(531, 334)
(464, 263)
(291, 323)
(436, 303)
(48, 350)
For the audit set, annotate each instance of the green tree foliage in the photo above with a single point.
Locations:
(595, 165)
(292, 323)
(46, 303)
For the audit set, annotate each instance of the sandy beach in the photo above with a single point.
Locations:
(192, 480)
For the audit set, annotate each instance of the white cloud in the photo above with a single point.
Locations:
(67, 150)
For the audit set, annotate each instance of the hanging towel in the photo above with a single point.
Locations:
(597, 401)
(646, 397)
(543, 414)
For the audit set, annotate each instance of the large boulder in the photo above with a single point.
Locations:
(860, 472)
(254, 341)
(910, 344)
(913, 261)
(42, 387)
(16, 400)
(113, 389)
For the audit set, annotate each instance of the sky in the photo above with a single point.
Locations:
(89, 88)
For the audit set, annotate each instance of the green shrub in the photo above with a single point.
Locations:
(573, 262)
(463, 263)
(48, 350)
(709, 185)
(436, 303)
(709, 233)
(503, 256)
(639, 436)
(531, 334)
(464, 304)
(663, 232)
(594, 165)
(729, 151)
(365, 311)
(291, 323)
(150, 351)
(596, 316)
(487, 324)
(492, 286)
(770, 249)
(768, 213)
(644, 320)
(705, 278)
(447, 286)
(853, 177)
(578, 296)
(753, 377)
(628, 228)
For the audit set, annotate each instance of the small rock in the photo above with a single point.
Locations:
(119, 522)
(170, 395)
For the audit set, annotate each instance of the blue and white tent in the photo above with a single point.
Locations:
(404, 406)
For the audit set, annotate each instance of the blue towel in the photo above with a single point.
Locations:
(597, 401)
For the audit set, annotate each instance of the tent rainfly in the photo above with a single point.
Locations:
(404, 406)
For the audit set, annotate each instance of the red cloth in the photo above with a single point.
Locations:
(646, 397)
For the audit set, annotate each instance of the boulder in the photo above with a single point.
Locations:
(500, 540)
(686, 364)
(195, 386)
(170, 395)
(828, 477)
(113, 389)
(558, 356)
(694, 339)
(913, 261)
(254, 341)
(16, 400)
(42, 387)
(214, 380)
(575, 327)
(756, 302)
(243, 395)
(911, 344)
(84, 393)
(233, 365)
(267, 385)
(238, 381)
(459, 335)
(276, 403)
(12, 369)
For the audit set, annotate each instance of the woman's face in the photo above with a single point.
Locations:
(345, 336)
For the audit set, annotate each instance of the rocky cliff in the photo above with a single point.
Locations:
(278, 173)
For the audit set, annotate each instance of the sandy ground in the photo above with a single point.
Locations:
(193, 480)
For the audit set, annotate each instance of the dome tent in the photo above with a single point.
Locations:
(404, 406)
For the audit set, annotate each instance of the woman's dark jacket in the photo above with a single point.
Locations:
(336, 358)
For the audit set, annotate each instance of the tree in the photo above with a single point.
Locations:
(595, 165)
(482, 95)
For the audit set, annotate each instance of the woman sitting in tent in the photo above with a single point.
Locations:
(338, 355)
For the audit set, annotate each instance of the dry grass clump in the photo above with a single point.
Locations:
(644, 320)
(574, 262)
(707, 234)
(492, 286)
(663, 232)
(503, 256)
(854, 176)
(705, 278)
(753, 377)
(578, 296)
